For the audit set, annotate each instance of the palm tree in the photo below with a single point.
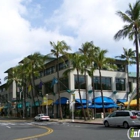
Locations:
(103, 62)
(92, 53)
(32, 64)
(85, 51)
(13, 77)
(128, 56)
(77, 64)
(59, 49)
(131, 30)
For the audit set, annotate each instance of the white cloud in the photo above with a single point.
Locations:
(75, 22)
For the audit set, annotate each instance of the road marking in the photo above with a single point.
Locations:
(8, 126)
(49, 131)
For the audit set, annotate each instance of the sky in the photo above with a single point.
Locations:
(28, 26)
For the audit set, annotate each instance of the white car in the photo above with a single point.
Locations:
(123, 118)
(41, 117)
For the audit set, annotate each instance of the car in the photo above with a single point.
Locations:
(41, 117)
(125, 118)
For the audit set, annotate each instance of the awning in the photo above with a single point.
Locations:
(107, 100)
(84, 101)
(100, 106)
(132, 103)
(50, 101)
(20, 105)
(63, 100)
(37, 103)
(121, 100)
(1, 108)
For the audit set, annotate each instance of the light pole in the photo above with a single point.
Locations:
(47, 104)
(72, 103)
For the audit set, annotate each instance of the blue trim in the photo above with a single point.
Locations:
(63, 100)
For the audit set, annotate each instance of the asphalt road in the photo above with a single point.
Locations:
(59, 131)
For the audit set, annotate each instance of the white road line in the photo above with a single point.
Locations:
(8, 126)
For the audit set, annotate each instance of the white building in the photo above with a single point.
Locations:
(114, 85)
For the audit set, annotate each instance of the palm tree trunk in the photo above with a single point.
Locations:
(127, 83)
(137, 61)
(92, 81)
(58, 90)
(102, 93)
(33, 93)
(87, 110)
(80, 96)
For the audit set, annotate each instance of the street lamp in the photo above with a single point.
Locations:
(72, 103)
(47, 104)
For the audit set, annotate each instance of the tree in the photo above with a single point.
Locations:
(85, 51)
(77, 64)
(91, 69)
(128, 56)
(32, 65)
(131, 30)
(59, 49)
(103, 62)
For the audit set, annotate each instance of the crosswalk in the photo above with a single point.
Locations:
(37, 123)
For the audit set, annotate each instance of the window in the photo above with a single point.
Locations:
(106, 83)
(64, 84)
(120, 84)
(41, 73)
(49, 70)
(81, 82)
(48, 87)
(63, 65)
(120, 67)
(119, 114)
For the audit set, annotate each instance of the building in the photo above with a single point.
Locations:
(114, 86)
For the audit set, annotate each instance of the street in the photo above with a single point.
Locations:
(59, 131)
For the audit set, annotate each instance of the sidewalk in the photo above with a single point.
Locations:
(98, 121)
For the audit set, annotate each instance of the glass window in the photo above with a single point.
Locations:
(81, 81)
(63, 65)
(49, 70)
(120, 84)
(41, 73)
(106, 83)
(64, 84)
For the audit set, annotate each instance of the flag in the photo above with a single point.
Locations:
(54, 81)
(40, 84)
(29, 88)
(70, 91)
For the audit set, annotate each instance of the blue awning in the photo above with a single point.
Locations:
(63, 100)
(84, 101)
(100, 106)
(107, 100)
(121, 100)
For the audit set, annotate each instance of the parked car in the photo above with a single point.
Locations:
(41, 117)
(123, 118)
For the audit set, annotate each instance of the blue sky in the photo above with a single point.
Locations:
(27, 26)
